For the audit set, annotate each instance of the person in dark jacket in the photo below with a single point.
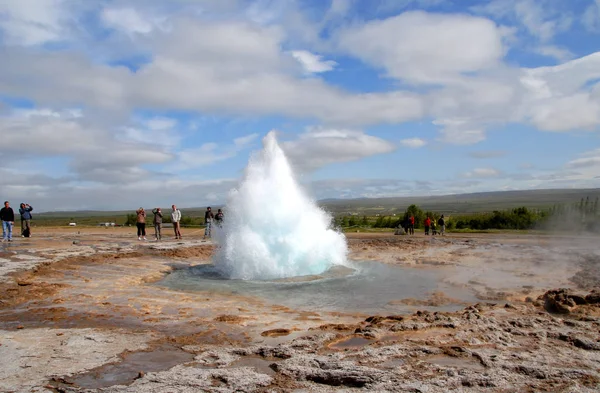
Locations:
(25, 212)
(442, 224)
(219, 218)
(7, 215)
(208, 218)
(157, 222)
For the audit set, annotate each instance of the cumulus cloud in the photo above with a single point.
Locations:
(129, 20)
(322, 146)
(229, 58)
(93, 154)
(468, 44)
(313, 64)
(413, 143)
(32, 22)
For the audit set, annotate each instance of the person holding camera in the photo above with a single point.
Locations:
(25, 211)
(141, 223)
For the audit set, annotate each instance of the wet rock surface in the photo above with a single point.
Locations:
(529, 340)
(483, 348)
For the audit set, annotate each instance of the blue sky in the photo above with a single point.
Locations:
(119, 103)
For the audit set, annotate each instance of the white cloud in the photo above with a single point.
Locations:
(93, 154)
(313, 63)
(321, 146)
(210, 153)
(534, 17)
(459, 132)
(589, 159)
(231, 68)
(128, 20)
(556, 52)
(591, 17)
(33, 22)
(420, 52)
(157, 130)
(482, 173)
(413, 143)
(540, 19)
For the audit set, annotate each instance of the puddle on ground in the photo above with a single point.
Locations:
(352, 342)
(447, 361)
(259, 364)
(126, 371)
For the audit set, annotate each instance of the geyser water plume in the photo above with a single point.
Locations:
(271, 228)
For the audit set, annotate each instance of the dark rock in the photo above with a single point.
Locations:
(375, 319)
(329, 371)
(275, 332)
(558, 301)
(530, 371)
(395, 317)
(586, 344)
(593, 297)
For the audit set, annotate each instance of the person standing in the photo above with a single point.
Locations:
(175, 218)
(442, 224)
(157, 221)
(208, 218)
(219, 218)
(25, 212)
(411, 224)
(427, 225)
(7, 215)
(141, 223)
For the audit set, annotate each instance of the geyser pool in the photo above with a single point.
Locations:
(366, 287)
(272, 229)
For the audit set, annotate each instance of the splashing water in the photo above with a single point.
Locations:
(271, 228)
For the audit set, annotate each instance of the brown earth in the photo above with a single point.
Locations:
(80, 299)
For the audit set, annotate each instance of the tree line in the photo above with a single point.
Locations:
(580, 215)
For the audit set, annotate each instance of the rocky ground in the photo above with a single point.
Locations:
(79, 311)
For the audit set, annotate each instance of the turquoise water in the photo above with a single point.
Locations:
(368, 287)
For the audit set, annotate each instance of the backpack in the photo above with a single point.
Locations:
(441, 221)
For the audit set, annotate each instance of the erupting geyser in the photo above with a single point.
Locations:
(272, 229)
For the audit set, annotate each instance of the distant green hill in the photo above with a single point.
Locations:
(462, 203)
(448, 204)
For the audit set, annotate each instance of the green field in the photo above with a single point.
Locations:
(446, 204)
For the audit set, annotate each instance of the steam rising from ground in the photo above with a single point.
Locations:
(272, 229)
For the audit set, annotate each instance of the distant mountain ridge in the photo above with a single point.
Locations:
(453, 203)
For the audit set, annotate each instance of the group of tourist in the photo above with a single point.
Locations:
(157, 221)
(7, 216)
(430, 226)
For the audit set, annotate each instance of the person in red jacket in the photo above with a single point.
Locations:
(411, 225)
(427, 225)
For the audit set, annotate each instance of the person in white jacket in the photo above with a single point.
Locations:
(175, 218)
